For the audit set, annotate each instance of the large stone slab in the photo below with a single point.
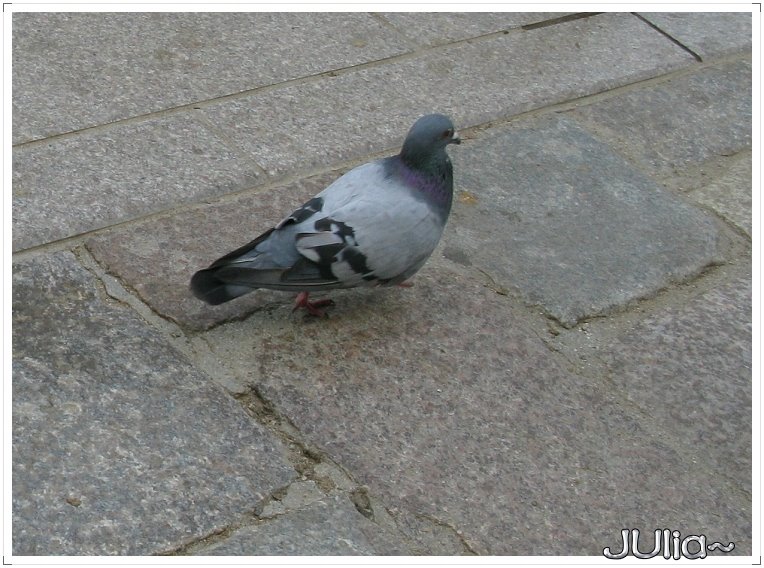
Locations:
(120, 446)
(709, 34)
(680, 123)
(102, 178)
(689, 369)
(158, 257)
(449, 408)
(329, 527)
(371, 109)
(556, 217)
(75, 70)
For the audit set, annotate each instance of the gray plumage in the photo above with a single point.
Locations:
(375, 225)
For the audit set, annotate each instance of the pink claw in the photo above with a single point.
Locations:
(301, 301)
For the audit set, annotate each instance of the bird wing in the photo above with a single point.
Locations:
(371, 228)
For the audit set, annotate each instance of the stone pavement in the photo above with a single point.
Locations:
(575, 358)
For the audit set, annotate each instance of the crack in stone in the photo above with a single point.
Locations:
(456, 532)
(249, 519)
(492, 284)
(302, 458)
(195, 545)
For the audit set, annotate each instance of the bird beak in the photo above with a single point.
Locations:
(455, 138)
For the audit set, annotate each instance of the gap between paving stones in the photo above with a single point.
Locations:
(302, 458)
(679, 293)
(195, 349)
(468, 133)
(388, 533)
(300, 80)
(560, 20)
(668, 35)
(332, 480)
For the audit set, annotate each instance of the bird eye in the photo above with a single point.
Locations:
(448, 134)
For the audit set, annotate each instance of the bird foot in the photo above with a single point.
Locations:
(406, 284)
(301, 301)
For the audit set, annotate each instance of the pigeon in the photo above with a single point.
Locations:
(374, 226)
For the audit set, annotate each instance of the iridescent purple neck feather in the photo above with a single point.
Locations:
(435, 186)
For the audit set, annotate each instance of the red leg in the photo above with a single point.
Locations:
(406, 284)
(301, 301)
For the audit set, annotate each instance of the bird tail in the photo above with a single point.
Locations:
(206, 286)
(234, 274)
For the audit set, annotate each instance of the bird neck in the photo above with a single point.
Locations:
(431, 178)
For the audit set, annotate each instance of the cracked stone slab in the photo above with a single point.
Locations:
(679, 123)
(473, 82)
(75, 185)
(158, 257)
(76, 70)
(437, 28)
(553, 215)
(441, 400)
(119, 445)
(730, 195)
(329, 527)
(689, 369)
(709, 34)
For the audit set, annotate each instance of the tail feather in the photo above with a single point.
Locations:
(235, 274)
(208, 288)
